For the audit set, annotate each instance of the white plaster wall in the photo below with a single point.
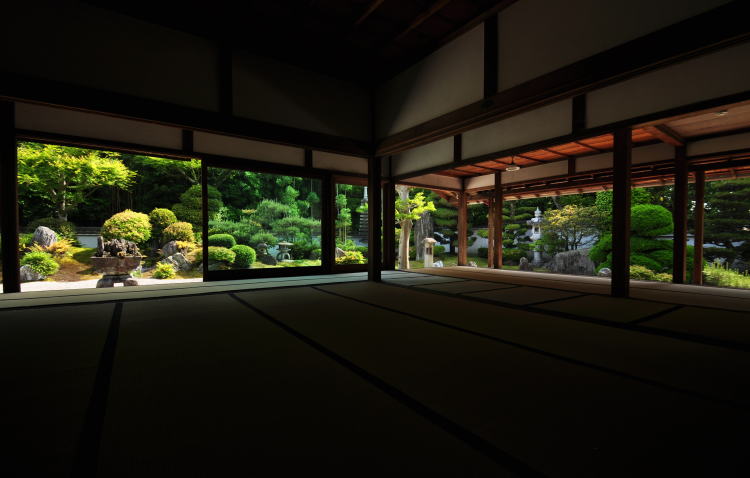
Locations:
(339, 162)
(709, 76)
(248, 149)
(715, 145)
(436, 153)
(448, 79)
(540, 124)
(536, 172)
(271, 91)
(487, 180)
(540, 36)
(652, 153)
(76, 43)
(436, 181)
(595, 162)
(90, 125)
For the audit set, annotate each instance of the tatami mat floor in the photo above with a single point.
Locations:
(419, 375)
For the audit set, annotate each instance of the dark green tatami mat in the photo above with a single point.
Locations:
(463, 287)
(718, 324)
(48, 363)
(523, 295)
(607, 308)
(564, 419)
(703, 369)
(421, 279)
(205, 386)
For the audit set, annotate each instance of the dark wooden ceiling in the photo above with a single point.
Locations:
(366, 41)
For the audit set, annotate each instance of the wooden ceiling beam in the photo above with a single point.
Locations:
(584, 145)
(434, 8)
(665, 134)
(368, 11)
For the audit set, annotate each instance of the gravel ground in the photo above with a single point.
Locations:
(90, 284)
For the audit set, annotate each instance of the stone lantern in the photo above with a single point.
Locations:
(429, 250)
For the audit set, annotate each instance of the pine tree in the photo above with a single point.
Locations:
(728, 215)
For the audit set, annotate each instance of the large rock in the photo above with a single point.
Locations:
(44, 236)
(524, 265)
(116, 248)
(169, 248)
(605, 272)
(178, 261)
(267, 259)
(29, 275)
(340, 252)
(739, 265)
(572, 262)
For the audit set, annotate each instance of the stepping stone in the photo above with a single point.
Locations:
(523, 295)
(712, 323)
(465, 286)
(607, 308)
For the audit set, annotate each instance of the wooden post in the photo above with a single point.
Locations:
(462, 229)
(374, 211)
(679, 214)
(204, 219)
(491, 231)
(389, 225)
(700, 199)
(328, 224)
(621, 213)
(9, 197)
(499, 224)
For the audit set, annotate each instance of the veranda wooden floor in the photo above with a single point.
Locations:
(456, 374)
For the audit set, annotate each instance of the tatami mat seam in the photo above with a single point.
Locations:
(467, 436)
(657, 314)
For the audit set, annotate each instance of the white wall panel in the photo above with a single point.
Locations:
(245, 148)
(652, 153)
(433, 154)
(542, 123)
(539, 36)
(558, 168)
(270, 91)
(593, 163)
(477, 182)
(448, 79)
(89, 125)
(339, 162)
(709, 76)
(716, 145)
(76, 43)
(436, 181)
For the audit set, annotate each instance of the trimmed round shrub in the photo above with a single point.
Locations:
(438, 251)
(641, 273)
(645, 261)
(179, 231)
(40, 262)
(266, 237)
(222, 240)
(128, 225)
(164, 271)
(513, 255)
(650, 220)
(64, 229)
(161, 218)
(315, 254)
(482, 252)
(244, 256)
(351, 257)
(220, 254)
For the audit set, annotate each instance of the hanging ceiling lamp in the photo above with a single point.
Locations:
(512, 166)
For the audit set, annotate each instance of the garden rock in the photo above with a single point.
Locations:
(605, 272)
(575, 262)
(524, 265)
(267, 259)
(169, 248)
(438, 264)
(472, 264)
(740, 265)
(178, 261)
(116, 248)
(29, 275)
(44, 236)
(340, 252)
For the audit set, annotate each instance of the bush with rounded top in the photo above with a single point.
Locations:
(244, 256)
(351, 257)
(179, 231)
(638, 272)
(40, 262)
(128, 225)
(222, 240)
(164, 271)
(650, 220)
(221, 254)
(161, 218)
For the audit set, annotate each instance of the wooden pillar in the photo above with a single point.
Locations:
(389, 225)
(679, 214)
(499, 224)
(462, 229)
(491, 231)
(204, 219)
(700, 199)
(374, 211)
(9, 197)
(328, 224)
(621, 193)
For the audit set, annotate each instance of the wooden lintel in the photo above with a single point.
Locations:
(665, 134)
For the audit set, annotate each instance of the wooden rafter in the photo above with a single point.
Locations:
(665, 134)
(368, 11)
(433, 9)
(592, 148)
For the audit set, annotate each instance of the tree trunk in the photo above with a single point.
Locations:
(403, 240)
(423, 228)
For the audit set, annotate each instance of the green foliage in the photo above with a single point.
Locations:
(64, 177)
(244, 256)
(482, 252)
(222, 240)
(601, 249)
(178, 231)
(645, 261)
(191, 204)
(242, 230)
(290, 227)
(483, 233)
(266, 237)
(40, 262)
(164, 271)
(728, 216)
(722, 276)
(160, 218)
(315, 254)
(565, 229)
(515, 217)
(603, 203)
(650, 220)
(638, 272)
(62, 228)
(351, 257)
(129, 225)
(220, 254)
(514, 255)
(25, 241)
(438, 251)
(301, 250)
